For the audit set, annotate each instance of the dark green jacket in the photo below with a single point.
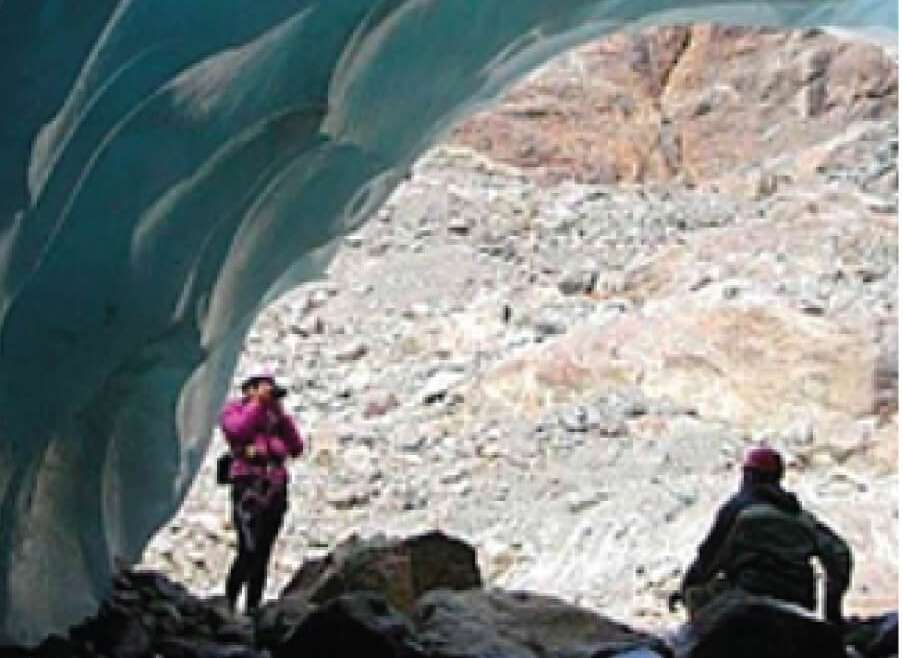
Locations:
(763, 542)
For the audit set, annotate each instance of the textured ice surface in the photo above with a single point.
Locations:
(168, 166)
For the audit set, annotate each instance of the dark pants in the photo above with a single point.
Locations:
(257, 526)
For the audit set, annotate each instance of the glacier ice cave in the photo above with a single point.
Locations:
(169, 166)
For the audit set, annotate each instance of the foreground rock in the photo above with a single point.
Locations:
(482, 624)
(401, 570)
(147, 615)
(743, 626)
(421, 597)
(398, 571)
(418, 597)
(361, 624)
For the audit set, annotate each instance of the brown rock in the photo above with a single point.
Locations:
(658, 105)
(400, 570)
(754, 365)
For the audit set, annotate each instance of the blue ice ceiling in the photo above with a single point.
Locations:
(169, 166)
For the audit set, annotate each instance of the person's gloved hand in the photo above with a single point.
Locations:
(675, 598)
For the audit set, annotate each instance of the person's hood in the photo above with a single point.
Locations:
(775, 495)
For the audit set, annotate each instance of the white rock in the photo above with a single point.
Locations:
(438, 386)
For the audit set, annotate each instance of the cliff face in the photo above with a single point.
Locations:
(684, 103)
(567, 373)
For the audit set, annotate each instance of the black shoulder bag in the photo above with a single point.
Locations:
(223, 467)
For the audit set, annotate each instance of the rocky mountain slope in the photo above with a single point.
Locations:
(558, 337)
(685, 104)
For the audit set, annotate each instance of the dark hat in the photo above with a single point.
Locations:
(764, 459)
(253, 380)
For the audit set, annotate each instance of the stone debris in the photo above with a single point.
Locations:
(422, 597)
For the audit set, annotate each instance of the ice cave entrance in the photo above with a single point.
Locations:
(559, 334)
(167, 170)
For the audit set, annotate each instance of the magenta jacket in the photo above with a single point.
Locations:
(272, 433)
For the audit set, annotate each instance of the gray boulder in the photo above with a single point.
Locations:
(489, 624)
(579, 282)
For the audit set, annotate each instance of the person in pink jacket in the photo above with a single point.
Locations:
(261, 436)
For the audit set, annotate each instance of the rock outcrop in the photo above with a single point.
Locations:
(684, 103)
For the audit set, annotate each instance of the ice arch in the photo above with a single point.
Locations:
(167, 167)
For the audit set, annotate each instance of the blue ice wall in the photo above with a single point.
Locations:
(168, 166)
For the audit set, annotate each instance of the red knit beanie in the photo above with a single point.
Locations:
(764, 459)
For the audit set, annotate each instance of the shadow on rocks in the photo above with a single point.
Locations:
(422, 597)
(740, 625)
(359, 624)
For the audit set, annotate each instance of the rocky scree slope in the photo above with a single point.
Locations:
(564, 368)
